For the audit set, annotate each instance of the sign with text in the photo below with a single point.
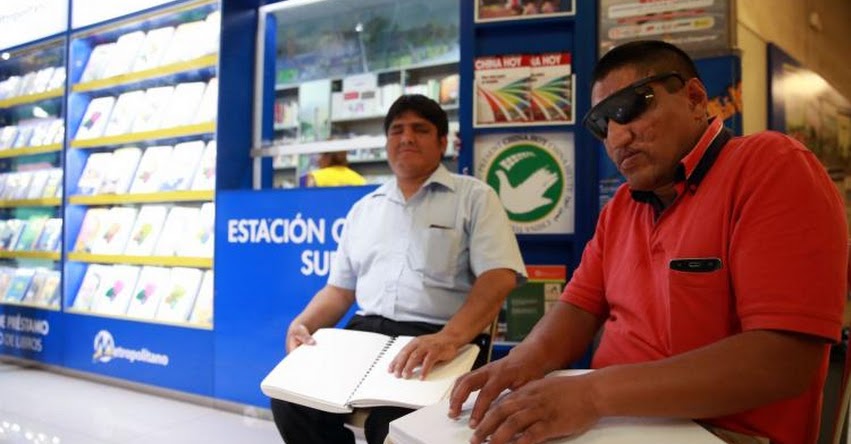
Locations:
(23, 22)
(31, 333)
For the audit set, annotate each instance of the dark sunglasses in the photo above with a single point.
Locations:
(625, 105)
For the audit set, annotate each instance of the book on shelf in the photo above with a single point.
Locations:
(25, 133)
(48, 293)
(37, 184)
(123, 168)
(91, 226)
(59, 136)
(6, 275)
(202, 312)
(205, 176)
(26, 86)
(58, 78)
(95, 275)
(525, 305)
(11, 231)
(432, 424)
(124, 112)
(154, 48)
(501, 89)
(184, 104)
(213, 23)
(19, 284)
(198, 239)
(153, 282)
(146, 231)
(348, 368)
(96, 169)
(8, 136)
(30, 234)
(20, 182)
(188, 42)
(151, 169)
(551, 88)
(208, 108)
(51, 235)
(177, 301)
(113, 234)
(174, 229)
(42, 79)
(36, 283)
(124, 55)
(150, 114)
(182, 165)
(95, 119)
(113, 294)
(53, 184)
(98, 60)
(39, 131)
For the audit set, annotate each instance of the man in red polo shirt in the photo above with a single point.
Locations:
(717, 275)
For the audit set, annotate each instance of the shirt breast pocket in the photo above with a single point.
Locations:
(434, 253)
(699, 306)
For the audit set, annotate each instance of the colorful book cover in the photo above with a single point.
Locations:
(150, 114)
(184, 104)
(525, 305)
(124, 112)
(205, 176)
(174, 230)
(198, 239)
(202, 312)
(11, 231)
(51, 235)
(6, 275)
(53, 183)
(98, 60)
(95, 275)
(94, 121)
(92, 222)
(153, 282)
(19, 284)
(208, 108)
(30, 234)
(94, 173)
(551, 88)
(182, 166)
(153, 49)
(49, 294)
(122, 170)
(112, 236)
(151, 169)
(502, 88)
(36, 286)
(177, 302)
(146, 231)
(113, 295)
(124, 55)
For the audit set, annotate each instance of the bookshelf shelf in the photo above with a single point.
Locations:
(170, 196)
(47, 202)
(45, 255)
(163, 261)
(75, 311)
(24, 304)
(30, 150)
(208, 61)
(168, 133)
(32, 98)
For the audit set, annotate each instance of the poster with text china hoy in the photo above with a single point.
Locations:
(524, 90)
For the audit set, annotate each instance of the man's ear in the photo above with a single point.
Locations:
(441, 141)
(697, 96)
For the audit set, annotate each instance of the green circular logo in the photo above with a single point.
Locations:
(529, 179)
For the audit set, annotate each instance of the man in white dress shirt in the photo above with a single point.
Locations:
(428, 254)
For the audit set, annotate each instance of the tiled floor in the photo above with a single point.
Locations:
(38, 406)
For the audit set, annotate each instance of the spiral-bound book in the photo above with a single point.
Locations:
(346, 369)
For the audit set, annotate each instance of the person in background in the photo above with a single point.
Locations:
(428, 254)
(333, 171)
(716, 274)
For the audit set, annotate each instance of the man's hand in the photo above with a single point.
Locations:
(540, 410)
(423, 351)
(510, 372)
(297, 335)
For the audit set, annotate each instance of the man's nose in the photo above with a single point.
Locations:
(617, 135)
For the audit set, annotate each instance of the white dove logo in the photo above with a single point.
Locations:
(528, 195)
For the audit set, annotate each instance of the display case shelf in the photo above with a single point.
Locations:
(146, 136)
(208, 61)
(30, 150)
(43, 255)
(166, 196)
(46, 202)
(24, 304)
(134, 319)
(162, 261)
(57, 93)
(362, 142)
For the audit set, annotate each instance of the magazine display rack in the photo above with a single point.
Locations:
(140, 167)
(32, 89)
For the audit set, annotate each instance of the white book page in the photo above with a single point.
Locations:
(384, 388)
(324, 375)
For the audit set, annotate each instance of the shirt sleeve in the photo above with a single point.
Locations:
(493, 244)
(343, 274)
(586, 288)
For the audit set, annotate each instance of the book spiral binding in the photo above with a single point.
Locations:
(381, 353)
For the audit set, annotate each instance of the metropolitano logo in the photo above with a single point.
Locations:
(106, 351)
(529, 173)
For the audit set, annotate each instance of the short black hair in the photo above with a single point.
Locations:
(648, 57)
(426, 108)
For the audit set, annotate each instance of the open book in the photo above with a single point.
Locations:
(432, 424)
(348, 368)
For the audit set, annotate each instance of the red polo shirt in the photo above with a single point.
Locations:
(768, 228)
